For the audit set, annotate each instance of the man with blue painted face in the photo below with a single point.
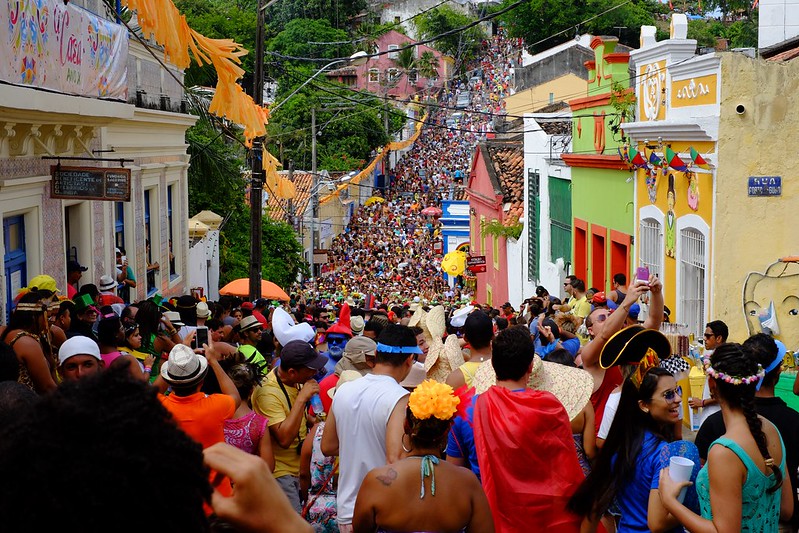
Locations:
(337, 337)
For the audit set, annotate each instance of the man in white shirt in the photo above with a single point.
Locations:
(366, 423)
(715, 333)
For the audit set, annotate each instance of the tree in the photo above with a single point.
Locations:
(427, 65)
(462, 45)
(545, 23)
(299, 36)
(338, 12)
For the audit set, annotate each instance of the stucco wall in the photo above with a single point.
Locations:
(571, 60)
(529, 100)
(751, 233)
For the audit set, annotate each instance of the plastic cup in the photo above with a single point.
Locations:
(680, 470)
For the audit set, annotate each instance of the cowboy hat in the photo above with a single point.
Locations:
(571, 386)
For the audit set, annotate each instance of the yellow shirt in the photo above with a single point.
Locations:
(581, 307)
(268, 400)
(468, 369)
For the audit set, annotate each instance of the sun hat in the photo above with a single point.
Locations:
(78, 345)
(356, 351)
(300, 353)
(571, 386)
(458, 318)
(345, 377)
(443, 358)
(107, 283)
(202, 310)
(174, 318)
(184, 367)
(249, 322)
(187, 301)
(414, 377)
(631, 344)
(285, 330)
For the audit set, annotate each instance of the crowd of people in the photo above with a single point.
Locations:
(379, 399)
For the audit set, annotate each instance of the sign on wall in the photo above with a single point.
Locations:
(48, 44)
(476, 263)
(765, 186)
(90, 183)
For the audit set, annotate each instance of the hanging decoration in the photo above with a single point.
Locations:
(671, 220)
(693, 190)
(698, 160)
(161, 20)
(674, 161)
(652, 176)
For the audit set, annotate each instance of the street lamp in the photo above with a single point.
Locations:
(358, 58)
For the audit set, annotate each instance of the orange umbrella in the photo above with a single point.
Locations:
(241, 287)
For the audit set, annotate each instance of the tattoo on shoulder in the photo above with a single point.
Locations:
(388, 477)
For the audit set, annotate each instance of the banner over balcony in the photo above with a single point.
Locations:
(48, 45)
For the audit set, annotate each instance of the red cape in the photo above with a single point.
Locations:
(527, 459)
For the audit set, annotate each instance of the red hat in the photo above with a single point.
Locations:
(342, 327)
(247, 305)
(599, 299)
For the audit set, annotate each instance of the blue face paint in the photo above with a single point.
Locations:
(335, 345)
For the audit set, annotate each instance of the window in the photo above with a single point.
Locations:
(551, 98)
(393, 55)
(495, 251)
(533, 213)
(413, 76)
(119, 224)
(482, 234)
(171, 220)
(392, 75)
(691, 257)
(374, 75)
(560, 217)
(152, 247)
(580, 249)
(650, 246)
(598, 256)
(15, 258)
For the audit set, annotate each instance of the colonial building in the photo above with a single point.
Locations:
(82, 90)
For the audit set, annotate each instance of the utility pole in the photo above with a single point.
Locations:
(257, 177)
(314, 191)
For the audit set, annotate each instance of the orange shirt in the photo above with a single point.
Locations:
(203, 417)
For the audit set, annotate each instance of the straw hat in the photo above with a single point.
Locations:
(345, 377)
(441, 360)
(414, 377)
(184, 367)
(571, 386)
(458, 318)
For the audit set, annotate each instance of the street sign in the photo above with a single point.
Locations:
(765, 186)
(476, 263)
(90, 183)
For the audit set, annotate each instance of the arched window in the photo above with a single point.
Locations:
(692, 280)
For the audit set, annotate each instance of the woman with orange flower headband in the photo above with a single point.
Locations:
(421, 481)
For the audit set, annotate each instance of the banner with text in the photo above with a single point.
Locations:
(49, 45)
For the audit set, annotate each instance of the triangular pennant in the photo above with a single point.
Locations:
(698, 160)
(674, 161)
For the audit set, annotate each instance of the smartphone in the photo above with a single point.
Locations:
(642, 274)
(124, 259)
(201, 337)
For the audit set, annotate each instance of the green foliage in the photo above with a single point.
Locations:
(706, 32)
(743, 34)
(220, 19)
(739, 34)
(427, 65)
(537, 20)
(338, 12)
(497, 229)
(622, 99)
(299, 34)
(463, 45)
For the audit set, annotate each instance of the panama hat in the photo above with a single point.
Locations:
(571, 386)
(345, 377)
(631, 345)
(184, 367)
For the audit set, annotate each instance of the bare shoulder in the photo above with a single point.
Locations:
(384, 476)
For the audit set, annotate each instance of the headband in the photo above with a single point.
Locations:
(734, 380)
(34, 307)
(774, 364)
(647, 363)
(386, 348)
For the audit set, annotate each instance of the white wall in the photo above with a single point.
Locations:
(778, 21)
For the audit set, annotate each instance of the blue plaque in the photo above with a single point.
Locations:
(765, 186)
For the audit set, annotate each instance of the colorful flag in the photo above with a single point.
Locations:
(698, 160)
(674, 160)
(636, 159)
(654, 160)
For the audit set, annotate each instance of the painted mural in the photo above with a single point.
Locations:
(771, 301)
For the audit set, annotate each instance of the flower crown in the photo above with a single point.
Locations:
(432, 398)
(734, 380)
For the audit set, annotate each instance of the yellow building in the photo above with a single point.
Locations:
(715, 236)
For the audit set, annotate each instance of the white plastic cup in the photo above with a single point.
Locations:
(680, 470)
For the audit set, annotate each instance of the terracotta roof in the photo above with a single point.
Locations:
(787, 55)
(302, 183)
(508, 161)
(556, 127)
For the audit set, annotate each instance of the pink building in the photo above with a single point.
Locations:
(381, 74)
(496, 195)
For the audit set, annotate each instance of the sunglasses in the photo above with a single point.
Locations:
(601, 318)
(709, 335)
(669, 395)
